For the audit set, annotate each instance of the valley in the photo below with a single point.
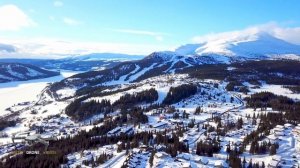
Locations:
(149, 84)
(194, 116)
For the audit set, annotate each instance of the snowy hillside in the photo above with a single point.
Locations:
(254, 45)
(20, 72)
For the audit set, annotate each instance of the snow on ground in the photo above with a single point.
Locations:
(66, 92)
(161, 84)
(276, 89)
(135, 76)
(117, 160)
(24, 91)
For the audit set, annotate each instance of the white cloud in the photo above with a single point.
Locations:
(71, 21)
(13, 18)
(289, 34)
(58, 3)
(56, 48)
(157, 35)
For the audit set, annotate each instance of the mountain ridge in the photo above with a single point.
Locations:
(21, 72)
(249, 46)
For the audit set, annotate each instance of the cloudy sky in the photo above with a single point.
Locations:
(57, 28)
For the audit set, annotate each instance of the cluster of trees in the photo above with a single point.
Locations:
(208, 148)
(237, 86)
(99, 160)
(294, 89)
(92, 78)
(263, 148)
(231, 86)
(267, 122)
(172, 143)
(198, 110)
(178, 93)
(6, 123)
(250, 71)
(146, 96)
(134, 115)
(81, 110)
(91, 90)
(96, 137)
(234, 159)
(280, 103)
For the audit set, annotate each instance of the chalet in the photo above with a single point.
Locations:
(159, 125)
(184, 156)
(238, 143)
(144, 147)
(114, 131)
(272, 138)
(119, 143)
(127, 130)
(288, 125)
(279, 134)
(160, 148)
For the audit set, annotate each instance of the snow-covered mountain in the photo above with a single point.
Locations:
(94, 61)
(106, 57)
(21, 72)
(245, 47)
(253, 45)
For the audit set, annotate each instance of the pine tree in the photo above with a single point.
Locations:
(273, 150)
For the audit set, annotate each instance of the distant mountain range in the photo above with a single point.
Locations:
(88, 62)
(258, 46)
(108, 67)
(21, 72)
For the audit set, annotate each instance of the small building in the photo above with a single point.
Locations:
(288, 125)
(127, 130)
(159, 125)
(114, 131)
(160, 148)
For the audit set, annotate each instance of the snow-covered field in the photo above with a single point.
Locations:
(23, 91)
(277, 89)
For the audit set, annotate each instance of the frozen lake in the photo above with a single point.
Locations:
(22, 91)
